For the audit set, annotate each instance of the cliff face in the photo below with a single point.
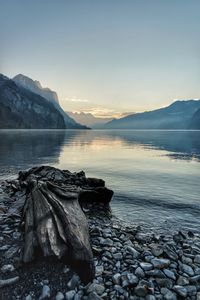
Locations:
(21, 108)
(35, 87)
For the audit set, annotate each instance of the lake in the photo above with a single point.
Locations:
(155, 174)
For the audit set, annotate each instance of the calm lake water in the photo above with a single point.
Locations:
(155, 174)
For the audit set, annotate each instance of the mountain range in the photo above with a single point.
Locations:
(183, 114)
(89, 119)
(26, 104)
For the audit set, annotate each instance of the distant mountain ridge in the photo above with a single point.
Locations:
(178, 115)
(36, 87)
(88, 119)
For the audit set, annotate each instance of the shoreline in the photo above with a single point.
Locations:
(129, 264)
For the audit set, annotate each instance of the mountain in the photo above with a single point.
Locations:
(88, 119)
(35, 87)
(178, 115)
(21, 108)
(195, 121)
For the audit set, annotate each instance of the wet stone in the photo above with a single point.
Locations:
(60, 296)
(187, 269)
(139, 272)
(146, 266)
(180, 290)
(133, 252)
(97, 288)
(169, 274)
(46, 293)
(160, 263)
(70, 295)
(116, 278)
(7, 268)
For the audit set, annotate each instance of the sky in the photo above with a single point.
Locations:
(107, 57)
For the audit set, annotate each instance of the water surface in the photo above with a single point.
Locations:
(155, 174)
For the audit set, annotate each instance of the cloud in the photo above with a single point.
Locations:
(75, 99)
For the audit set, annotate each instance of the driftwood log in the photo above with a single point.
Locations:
(54, 222)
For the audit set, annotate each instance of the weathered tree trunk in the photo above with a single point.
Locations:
(55, 223)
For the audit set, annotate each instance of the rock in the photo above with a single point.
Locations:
(139, 272)
(99, 270)
(160, 263)
(98, 194)
(132, 279)
(73, 283)
(195, 279)
(106, 242)
(197, 259)
(141, 290)
(146, 266)
(60, 296)
(93, 296)
(168, 295)
(150, 297)
(191, 290)
(7, 268)
(97, 288)
(95, 182)
(28, 297)
(11, 252)
(169, 274)
(46, 292)
(170, 253)
(164, 282)
(180, 290)
(117, 256)
(156, 249)
(182, 281)
(155, 273)
(186, 269)
(119, 289)
(77, 296)
(9, 281)
(133, 252)
(4, 247)
(116, 278)
(70, 295)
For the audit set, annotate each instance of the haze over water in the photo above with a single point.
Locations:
(155, 174)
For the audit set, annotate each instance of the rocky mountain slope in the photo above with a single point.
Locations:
(35, 87)
(21, 108)
(195, 121)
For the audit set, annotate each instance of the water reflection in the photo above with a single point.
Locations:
(180, 144)
(23, 149)
(135, 164)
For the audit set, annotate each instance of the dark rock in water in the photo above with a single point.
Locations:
(99, 194)
(95, 182)
(55, 223)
